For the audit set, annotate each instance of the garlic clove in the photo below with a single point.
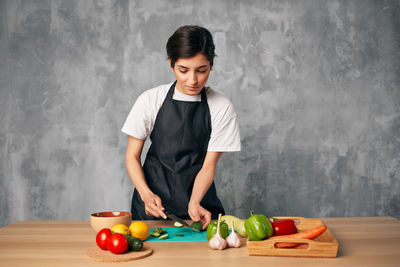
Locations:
(233, 240)
(217, 241)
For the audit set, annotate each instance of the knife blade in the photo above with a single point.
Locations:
(176, 218)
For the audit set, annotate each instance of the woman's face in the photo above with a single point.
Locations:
(191, 73)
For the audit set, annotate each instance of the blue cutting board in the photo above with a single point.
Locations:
(188, 235)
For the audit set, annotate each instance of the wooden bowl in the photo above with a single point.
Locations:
(108, 219)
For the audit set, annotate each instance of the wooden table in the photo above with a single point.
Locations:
(364, 241)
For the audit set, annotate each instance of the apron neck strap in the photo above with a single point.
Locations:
(203, 95)
(171, 91)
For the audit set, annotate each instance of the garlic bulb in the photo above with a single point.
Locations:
(233, 239)
(217, 241)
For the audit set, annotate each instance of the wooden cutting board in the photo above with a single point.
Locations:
(96, 254)
(324, 246)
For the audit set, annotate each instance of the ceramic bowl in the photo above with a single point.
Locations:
(108, 219)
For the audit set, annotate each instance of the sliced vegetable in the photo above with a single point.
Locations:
(164, 236)
(158, 231)
(178, 235)
(258, 227)
(307, 234)
(178, 224)
(155, 234)
(197, 226)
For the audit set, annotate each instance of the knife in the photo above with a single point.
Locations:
(176, 218)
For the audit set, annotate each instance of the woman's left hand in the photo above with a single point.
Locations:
(198, 213)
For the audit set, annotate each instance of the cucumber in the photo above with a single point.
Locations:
(135, 244)
(155, 234)
(158, 231)
(196, 226)
(178, 224)
(163, 236)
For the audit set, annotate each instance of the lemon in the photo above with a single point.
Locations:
(139, 230)
(120, 228)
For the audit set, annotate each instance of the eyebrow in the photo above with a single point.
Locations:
(184, 67)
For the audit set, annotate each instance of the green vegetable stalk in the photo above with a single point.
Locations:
(258, 227)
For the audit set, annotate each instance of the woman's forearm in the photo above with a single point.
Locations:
(201, 185)
(135, 172)
(205, 177)
(134, 166)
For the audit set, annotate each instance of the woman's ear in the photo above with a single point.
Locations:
(172, 68)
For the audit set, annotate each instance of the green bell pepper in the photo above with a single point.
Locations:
(258, 227)
(212, 229)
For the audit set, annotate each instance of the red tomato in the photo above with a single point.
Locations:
(284, 227)
(117, 243)
(101, 238)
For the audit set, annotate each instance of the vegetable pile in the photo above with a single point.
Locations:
(162, 233)
(257, 227)
(119, 239)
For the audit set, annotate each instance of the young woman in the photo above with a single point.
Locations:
(190, 125)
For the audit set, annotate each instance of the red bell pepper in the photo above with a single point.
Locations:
(284, 227)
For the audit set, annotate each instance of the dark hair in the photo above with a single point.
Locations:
(189, 40)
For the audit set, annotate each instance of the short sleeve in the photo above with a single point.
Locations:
(138, 122)
(225, 136)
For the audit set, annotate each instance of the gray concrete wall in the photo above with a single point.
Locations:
(315, 85)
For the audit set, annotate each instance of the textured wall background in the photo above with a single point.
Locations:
(315, 85)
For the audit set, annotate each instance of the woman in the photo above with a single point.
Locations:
(190, 126)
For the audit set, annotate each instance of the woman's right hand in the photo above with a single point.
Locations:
(153, 206)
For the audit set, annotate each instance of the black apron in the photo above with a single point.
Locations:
(179, 145)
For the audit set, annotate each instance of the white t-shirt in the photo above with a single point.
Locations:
(225, 136)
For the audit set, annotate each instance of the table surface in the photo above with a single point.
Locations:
(363, 241)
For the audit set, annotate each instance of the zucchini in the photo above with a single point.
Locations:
(239, 224)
